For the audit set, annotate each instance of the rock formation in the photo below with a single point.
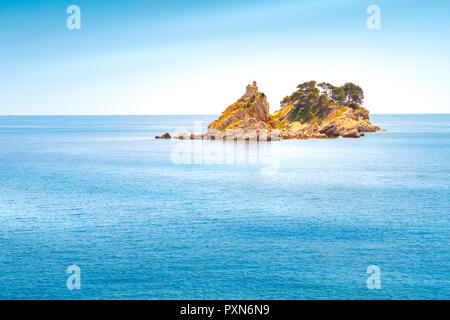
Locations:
(248, 118)
(307, 113)
(337, 111)
(164, 136)
(343, 121)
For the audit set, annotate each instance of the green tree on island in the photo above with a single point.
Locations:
(310, 102)
(354, 95)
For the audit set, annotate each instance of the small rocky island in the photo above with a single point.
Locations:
(312, 111)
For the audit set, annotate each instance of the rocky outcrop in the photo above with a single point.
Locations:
(250, 111)
(246, 119)
(343, 122)
(306, 114)
(250, 90)
(164, 136)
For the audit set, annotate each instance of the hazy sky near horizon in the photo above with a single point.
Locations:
(197, 56)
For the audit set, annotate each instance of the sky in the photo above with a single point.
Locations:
(196, 57)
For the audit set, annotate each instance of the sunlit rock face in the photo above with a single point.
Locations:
(306, 114)
(249, 113)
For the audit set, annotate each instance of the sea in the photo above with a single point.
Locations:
(94, 207)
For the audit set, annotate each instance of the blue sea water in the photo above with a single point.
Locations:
(101, 193)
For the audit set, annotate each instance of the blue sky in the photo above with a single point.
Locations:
(195, 57)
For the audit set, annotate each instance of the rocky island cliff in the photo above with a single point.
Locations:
(312, 111)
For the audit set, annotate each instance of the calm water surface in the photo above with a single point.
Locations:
(101, 193)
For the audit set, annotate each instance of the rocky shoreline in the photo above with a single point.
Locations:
(306, 114)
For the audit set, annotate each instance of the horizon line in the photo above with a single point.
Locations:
(166, 115)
